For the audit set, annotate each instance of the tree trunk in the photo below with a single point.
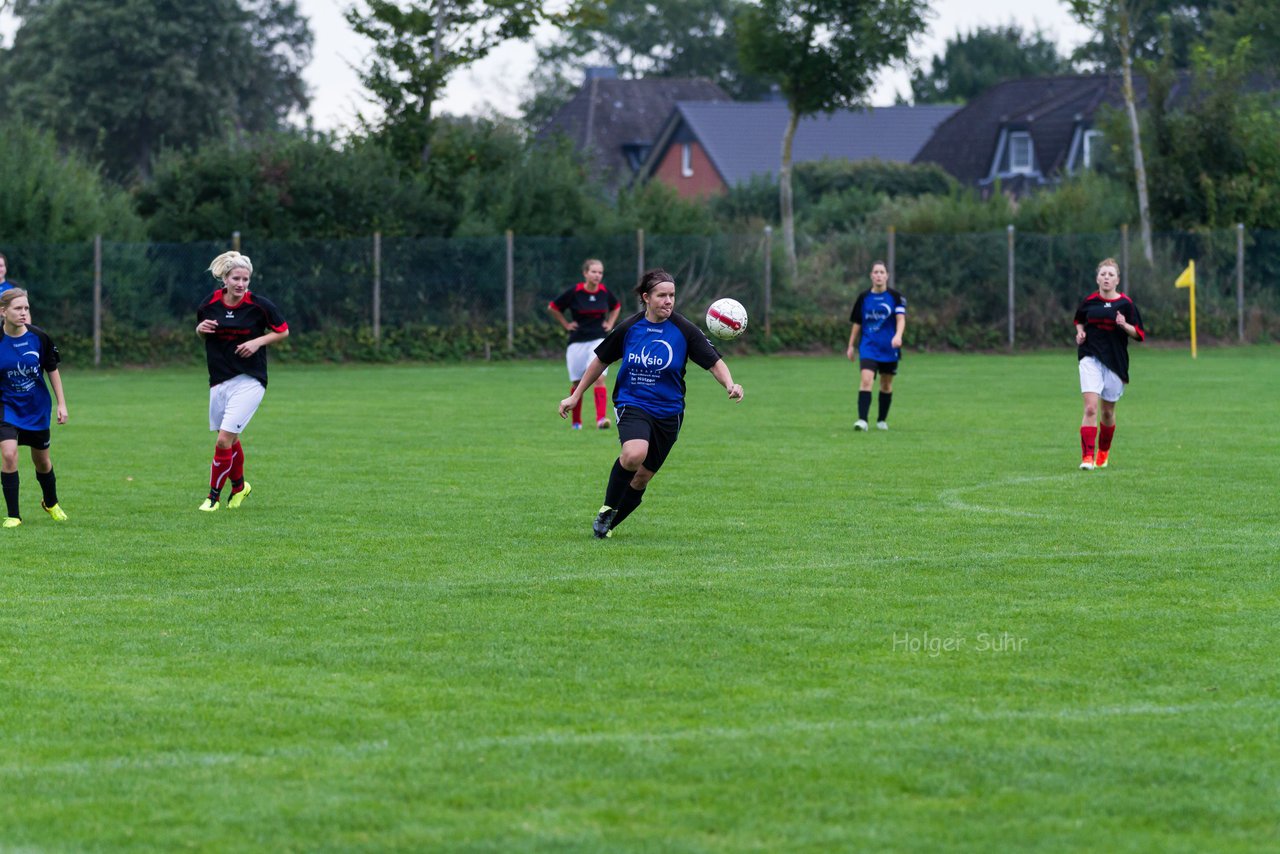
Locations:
(1125, 42)
(437, 53)
(785, 197)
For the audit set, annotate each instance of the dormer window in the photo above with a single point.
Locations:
(686, 160)
(1021, 155)
(1091, 147)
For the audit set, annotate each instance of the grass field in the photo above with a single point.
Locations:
(944, 637)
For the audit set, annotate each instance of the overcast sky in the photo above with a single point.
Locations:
(500, 82)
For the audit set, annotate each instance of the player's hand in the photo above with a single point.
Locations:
(207, 327)
(896, 343)
(62, 414)
(735, 392)
(1079, 336)
(849, 352)
(1120, 321)
(607, 325)
(571, 325)
(566, 405)
(248, 348)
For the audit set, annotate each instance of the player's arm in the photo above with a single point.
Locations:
(900, 321)
(55, 380)
(612, 317)
(558, 314)
(853, 340)
(206, 327)
(720, 371)
(253, 345)
(589, 377)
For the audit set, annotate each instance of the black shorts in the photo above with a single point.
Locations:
(38, 439)
(660, 433)
(878, 367)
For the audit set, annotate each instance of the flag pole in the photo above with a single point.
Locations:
(1188, 280)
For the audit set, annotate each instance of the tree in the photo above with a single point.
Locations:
(825, 56)
(971, 63)
(418, 45)
(1159, 29)
(644, 38)
(1257, 20)
(120, 79)
(1113, 20)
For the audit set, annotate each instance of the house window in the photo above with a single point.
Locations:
(1091, 148)
(1020, 154)
(686, 160)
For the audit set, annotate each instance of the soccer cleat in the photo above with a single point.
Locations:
(1087, 463)
(882, 425)
(860, 425)
(56, 511)
(209, 505)
(1100, 461)
(601, 527)
(603, 423)
(238, 497)
(577, 425)
(11, 522)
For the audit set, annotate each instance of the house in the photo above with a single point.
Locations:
(1028, 133)
(613, 122)
(708, 147)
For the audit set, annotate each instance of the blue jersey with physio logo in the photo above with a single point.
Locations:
(652, 359)
(24, 361)
(877, 313)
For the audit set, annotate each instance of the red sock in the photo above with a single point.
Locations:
(1088, 435)
(577, 410)
(602, 398)
(220, 469)
(237, 465)
(1104, 436)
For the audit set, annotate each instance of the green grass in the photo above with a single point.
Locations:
(407, 638)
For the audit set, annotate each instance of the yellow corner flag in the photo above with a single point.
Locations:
(1188, 280)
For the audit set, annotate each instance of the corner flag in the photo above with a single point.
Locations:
(1188, 280)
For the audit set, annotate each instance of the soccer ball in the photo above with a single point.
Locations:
(726, 319)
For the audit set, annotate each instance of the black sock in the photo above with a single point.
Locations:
(9, 479)
(886, 398)
(237, 486)
(214, 495)
(618, 480)
(49, 486)
(631, 499)
(864, 405)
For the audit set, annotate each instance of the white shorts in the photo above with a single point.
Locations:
(1099, 379)
(578, 356)
(233, 403)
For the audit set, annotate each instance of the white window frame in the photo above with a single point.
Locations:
(686, 160)
(1092, 138)
(1016, 137)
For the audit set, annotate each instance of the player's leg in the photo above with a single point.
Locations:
(665, 432)
(601, 391)
(573, 357)
(9, 475)
(634, 432)
(43, 464)
(1106, 431)
(888, 370)
(866, 380)
(1091, 385)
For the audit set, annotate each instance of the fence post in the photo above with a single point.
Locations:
(97, 300)
(639, 255)
(511, 290)
(235, 241)
(377, 288)
(1240, 278)
(1011, 304)
(1124, 256)
(768, 280)
(893, 234)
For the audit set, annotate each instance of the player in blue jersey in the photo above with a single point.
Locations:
(880, 316)
(594, 311)
(236, 325)
(1105, 321)
(27, 357)
(653, 347)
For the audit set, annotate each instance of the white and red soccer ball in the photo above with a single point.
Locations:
(726, 319)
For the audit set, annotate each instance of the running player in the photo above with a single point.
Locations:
(1105, 321)
(27, 357)
(881, 345)
(654, 347)
(594, 311)
(236, 326)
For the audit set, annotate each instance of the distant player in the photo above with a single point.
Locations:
(27, 358)
(593, 311)
(1105, 322)
(880, 316)
(5, 284)
(654, 346)
(236, 325)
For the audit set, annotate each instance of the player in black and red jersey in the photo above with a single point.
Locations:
(1105, 321)
(236, 326)
(593, 311)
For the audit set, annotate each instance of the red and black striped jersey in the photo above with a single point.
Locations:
(252, 317)
(1103, 340)
(587, 309)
